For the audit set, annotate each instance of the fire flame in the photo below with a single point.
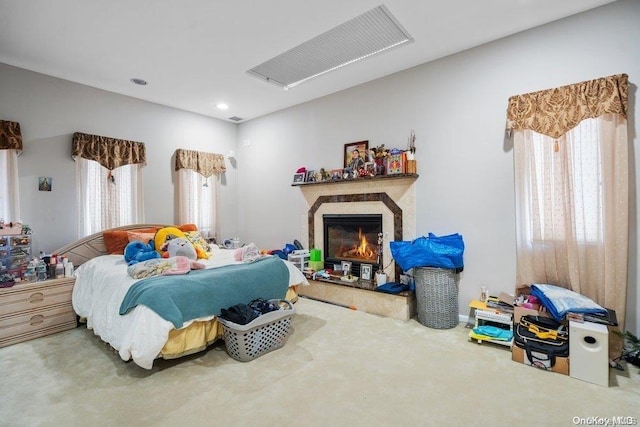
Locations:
(363, 249)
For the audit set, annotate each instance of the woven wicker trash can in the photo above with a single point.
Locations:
(437, 297)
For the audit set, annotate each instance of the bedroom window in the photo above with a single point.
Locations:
(109, 182)
(571, 175)
(107, 198)
(564, 189)
(198, 177)
(10, 149)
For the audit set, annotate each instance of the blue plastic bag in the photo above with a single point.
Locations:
(431, 251)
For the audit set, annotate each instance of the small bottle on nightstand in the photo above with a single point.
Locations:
(59, 270)
(68, 269)
(41, 270)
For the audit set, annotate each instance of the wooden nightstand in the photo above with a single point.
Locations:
(33, 310)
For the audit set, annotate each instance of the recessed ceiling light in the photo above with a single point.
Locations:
(139, 82)
(222, 106)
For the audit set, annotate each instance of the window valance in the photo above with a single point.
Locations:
(553, 112)
(109, 152)
(10, 136)
(206, 164)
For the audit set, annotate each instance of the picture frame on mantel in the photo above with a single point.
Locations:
(298, 178)
(358, 162)
(365, 271)
(310, 176)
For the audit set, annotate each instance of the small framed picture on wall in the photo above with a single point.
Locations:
(44, 183)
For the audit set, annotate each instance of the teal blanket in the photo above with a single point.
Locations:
(180, 298)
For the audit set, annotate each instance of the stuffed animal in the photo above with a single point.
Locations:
(199, 243)
(179, 247)
(136, 252)
(163, 236)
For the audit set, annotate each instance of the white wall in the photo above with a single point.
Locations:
(50, 110)
(457, 107)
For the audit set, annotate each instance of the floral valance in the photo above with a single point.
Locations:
(206, 164)
(109, 152)
(10, 136)
(553, 112)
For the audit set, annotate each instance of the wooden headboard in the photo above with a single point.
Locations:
(92, 246)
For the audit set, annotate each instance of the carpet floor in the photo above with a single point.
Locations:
(339, 367)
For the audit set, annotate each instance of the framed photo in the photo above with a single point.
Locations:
(365, 271)
(347, 173)
(395, 163)
(370, 167)
(310, 177)
(298, 178)
(335, 174)
(355, 154)
(346, 268)
(44, 183)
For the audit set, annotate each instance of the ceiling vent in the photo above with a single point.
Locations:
(236, 119)
(368, 34)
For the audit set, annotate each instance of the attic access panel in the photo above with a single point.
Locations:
(371, 33)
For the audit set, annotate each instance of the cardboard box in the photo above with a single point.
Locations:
(561, 366)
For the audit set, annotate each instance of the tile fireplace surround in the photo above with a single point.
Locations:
(391, 196)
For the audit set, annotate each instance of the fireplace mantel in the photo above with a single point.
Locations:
(361, 180)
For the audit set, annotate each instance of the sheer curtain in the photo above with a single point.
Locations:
(10, 149)
(571, 183)
(198, 201)
(198, 181)
(109, 182)
(108, 199)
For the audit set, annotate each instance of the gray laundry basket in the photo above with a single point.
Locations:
(437, 297)
(264, 334)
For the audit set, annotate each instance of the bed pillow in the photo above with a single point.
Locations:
(187, 227)
(137, 236)
(116, 240)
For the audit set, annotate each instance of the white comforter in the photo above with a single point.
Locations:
(102, 283)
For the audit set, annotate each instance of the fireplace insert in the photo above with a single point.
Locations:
(352, 239)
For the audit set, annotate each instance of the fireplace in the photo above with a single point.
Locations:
(351, 238)
(391, 197)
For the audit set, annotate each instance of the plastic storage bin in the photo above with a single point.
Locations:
(266, 333)
(15, 253)
(437, 297)
(300, 259)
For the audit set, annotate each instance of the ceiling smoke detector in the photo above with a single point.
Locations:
(236, 119)
(372, 32)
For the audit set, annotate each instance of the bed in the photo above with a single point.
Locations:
(142, 335)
